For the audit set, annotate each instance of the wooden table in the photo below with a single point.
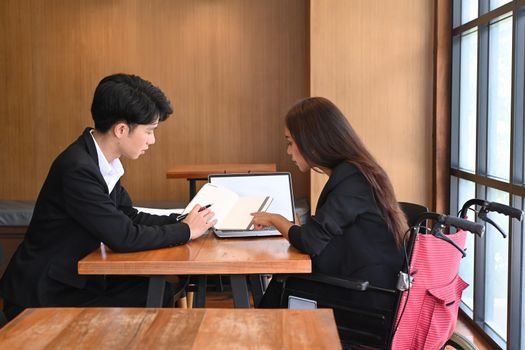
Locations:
(195, 172)
(207, 255)
(139, 328)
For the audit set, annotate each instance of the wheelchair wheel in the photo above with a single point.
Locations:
(460, 342)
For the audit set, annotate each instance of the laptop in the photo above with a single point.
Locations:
(277, 185)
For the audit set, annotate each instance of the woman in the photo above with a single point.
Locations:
(358, 228)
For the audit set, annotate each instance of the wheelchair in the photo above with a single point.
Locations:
(423, 308)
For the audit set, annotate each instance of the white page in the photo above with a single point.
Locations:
(239, 217)
(220, 198)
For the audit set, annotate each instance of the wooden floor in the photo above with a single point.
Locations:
(219, 300)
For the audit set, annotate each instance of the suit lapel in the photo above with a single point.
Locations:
(89, 145)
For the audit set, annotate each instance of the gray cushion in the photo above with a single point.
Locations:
(16, 213)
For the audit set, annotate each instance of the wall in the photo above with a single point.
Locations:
(230, 68)
(374, 59)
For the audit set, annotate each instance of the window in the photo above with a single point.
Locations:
(467, 113)
(488, 158)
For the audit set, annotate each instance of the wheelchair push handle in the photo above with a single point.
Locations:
(486, 207)
(440, 221)
(505, 210)
(464, 224)
(446, 220)
(492, 206)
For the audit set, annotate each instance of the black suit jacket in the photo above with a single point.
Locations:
(74, 213)
(348, 236)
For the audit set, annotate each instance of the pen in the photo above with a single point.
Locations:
(183, 216)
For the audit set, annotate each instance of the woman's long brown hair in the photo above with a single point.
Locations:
(325, 138)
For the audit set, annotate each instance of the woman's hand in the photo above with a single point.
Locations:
(262, 220)
(199, 220)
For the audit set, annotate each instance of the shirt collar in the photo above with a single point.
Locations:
(111, 172)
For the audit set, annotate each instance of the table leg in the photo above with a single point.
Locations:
(257, 288)
(200, 297)
(241, 298)
(193, 188)
(156, 287)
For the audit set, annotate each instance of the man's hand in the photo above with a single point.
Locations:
(199, 221)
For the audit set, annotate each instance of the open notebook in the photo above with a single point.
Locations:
(232, 211)
(277, 185)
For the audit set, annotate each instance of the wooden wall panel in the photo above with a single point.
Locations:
(231, 69)
(374, 59)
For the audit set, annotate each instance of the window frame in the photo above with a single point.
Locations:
(515, 187)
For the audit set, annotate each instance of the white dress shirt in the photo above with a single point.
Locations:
(111, 172)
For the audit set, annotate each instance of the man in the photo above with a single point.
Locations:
(82, 204)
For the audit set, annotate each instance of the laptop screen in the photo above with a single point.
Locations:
(276, 185)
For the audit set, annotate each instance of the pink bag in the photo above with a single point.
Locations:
(431, 312)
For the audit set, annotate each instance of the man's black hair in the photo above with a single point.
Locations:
(130, 99)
